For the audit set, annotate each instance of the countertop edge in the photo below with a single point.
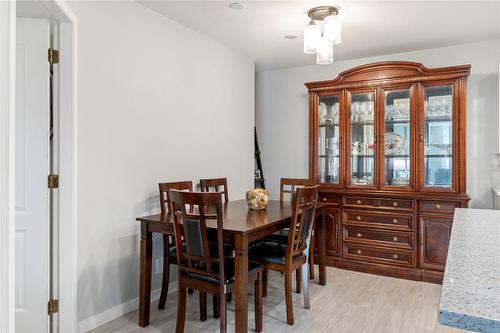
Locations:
(468, 322)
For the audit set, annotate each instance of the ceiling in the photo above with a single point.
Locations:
(369, 28)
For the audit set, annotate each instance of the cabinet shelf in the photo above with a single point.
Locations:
(439, 155)
(407, 121)
(329, 125)
(363, 123)
(363, 155)
(397, 121)
(437, 119)
(430, 155)
(397, 156)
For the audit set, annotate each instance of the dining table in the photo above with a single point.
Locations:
(242, 226)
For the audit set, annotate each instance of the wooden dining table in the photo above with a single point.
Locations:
(241, 227)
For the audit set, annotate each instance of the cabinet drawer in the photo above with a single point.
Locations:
(379, 237)
(440, 207)
(402, 204)
(385, 256)
(383, 203)
(385, 220)
(360, 202)
(328, 198)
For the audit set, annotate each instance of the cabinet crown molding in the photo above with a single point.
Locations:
(391, 71)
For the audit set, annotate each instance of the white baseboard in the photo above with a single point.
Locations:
(119, 310)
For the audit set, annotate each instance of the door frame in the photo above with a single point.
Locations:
(67, 240)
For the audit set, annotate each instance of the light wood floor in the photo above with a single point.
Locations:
(351, 302)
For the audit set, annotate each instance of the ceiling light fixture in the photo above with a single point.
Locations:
(236, 5)
(291, 36)
(322, 44)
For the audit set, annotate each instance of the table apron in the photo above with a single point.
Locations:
(168, 229)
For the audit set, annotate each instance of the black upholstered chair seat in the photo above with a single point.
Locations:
(269, 252)
(228, 272)
(279, 236)
(228, 251)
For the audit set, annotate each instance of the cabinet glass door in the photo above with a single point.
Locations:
(397, 138)
(438, 136)
(362, 129)
(329, 134)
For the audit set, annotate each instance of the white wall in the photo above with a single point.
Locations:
(157, 102)
(282, 112)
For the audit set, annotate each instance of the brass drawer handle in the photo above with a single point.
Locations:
(395, 221)
(358, 251)
(358, 202)
(358, 234)
(395, 204)
(395, 239)
(394, 256)
(438, 206)
(358, 218)
(324, 199)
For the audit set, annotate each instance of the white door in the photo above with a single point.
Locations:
(32, 165)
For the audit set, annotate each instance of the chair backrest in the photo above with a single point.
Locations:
(215, 185)
(190, 228)
(288, 186)
(165, 202)
(303, 212)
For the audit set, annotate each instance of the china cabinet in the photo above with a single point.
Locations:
(387, 142)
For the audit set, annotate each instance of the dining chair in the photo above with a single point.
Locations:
(215, 185)
(169, 253)
(287, 189)
(169, 256)
(289, 257)
(289, 185)
(201, 268)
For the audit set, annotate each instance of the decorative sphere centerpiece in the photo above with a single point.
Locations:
(257, 198)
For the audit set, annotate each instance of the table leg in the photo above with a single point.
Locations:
(145, 284)
(240, 285)
(322, 251)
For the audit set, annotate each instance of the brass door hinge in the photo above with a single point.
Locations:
(53, 181)
(53, 56)
(53, 306)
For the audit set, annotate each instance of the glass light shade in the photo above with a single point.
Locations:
(324, 55)
(332, 29)
(312, 34)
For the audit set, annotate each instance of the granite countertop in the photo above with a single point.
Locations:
(470, 295)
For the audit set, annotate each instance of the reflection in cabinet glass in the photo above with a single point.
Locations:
(397, 138)
(438, 136)
(328, 148)
(362, 138)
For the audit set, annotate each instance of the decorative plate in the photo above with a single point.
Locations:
(393, 143)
